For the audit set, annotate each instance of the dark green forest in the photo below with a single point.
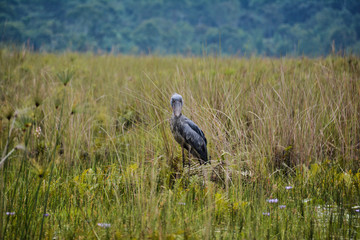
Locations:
(234, 27)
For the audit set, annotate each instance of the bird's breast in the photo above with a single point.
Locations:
(176, 131)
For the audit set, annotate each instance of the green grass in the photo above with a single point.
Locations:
(85, 138)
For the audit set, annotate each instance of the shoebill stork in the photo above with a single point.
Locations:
(187, 133)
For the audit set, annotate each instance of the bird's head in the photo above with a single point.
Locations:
(176, 104)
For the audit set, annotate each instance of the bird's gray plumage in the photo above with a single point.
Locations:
(186, 132)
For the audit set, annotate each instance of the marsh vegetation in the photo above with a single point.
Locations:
(87, 152)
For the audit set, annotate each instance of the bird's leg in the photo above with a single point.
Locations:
(183, 156)
(189, 157)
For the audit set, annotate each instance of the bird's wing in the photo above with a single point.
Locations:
(194, 137)
(195, 128)
(196, 141)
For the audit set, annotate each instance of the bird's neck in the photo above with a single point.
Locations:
(177, 117)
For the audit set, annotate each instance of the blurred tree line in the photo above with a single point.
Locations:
(233, 27)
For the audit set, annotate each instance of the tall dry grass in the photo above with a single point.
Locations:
(106, 154)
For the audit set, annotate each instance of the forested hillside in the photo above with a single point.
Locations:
(271, 28)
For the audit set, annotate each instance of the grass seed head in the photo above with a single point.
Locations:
(24, 122)
(37, 101)
(65, 76)
(9, 112)
(75, 109)
(57, 103)
(38, 169)
(20, 147)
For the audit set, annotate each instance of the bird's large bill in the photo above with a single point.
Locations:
(177, 108)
